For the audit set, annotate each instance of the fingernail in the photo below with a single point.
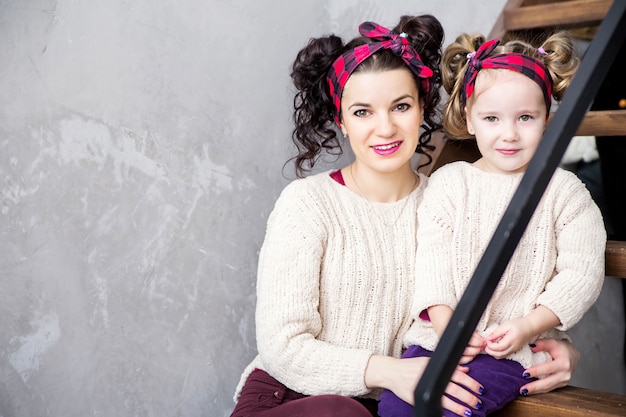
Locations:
(532, 345)
(468, 413)
(479, 406)
(526, 375)
(481, 390)
(524, 392)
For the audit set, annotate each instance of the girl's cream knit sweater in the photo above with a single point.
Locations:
(559, 263)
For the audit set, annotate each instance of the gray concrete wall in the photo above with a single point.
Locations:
(141, 150)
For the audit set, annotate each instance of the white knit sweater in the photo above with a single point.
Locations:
(334, 286)
(559, 263)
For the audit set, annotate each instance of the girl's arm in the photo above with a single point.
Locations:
(511, 335)
(440, 317)
(581, 241)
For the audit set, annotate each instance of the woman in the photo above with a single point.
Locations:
(336, 269)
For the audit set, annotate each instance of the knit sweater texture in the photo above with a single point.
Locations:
(559, 262)
(334, 286)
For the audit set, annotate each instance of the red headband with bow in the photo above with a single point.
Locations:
(384, 39)
(513, 61)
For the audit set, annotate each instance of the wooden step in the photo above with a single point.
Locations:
(525, 15)
(603, 123)
(566, 13)
(567, 402)
(615, 259)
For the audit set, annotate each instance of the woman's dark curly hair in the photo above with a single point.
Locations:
(314, 113)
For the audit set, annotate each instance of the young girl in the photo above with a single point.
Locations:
(501, 94)
(336, 270)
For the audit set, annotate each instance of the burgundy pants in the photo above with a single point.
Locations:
(264, 396)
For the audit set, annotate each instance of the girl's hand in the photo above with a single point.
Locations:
(402, 375)
(475, 345)
(554, 374)
(508, 338)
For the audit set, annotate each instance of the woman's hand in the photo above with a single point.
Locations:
(554, 374)
(454, 389)
(402, 375)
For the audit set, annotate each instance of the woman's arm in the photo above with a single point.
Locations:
(402, 375)
(289, 293)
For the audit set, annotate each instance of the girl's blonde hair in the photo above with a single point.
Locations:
(560, 59)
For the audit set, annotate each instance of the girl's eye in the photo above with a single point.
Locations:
(361, 113)
(403, 107)
(525, 118)
(491, 118)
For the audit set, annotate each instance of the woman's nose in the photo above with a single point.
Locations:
(386, 126)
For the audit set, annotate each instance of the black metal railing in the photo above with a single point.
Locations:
(586, 83)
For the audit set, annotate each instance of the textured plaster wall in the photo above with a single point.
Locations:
(142, 145)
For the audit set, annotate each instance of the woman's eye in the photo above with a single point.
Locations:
(403, 107)
(360, 113)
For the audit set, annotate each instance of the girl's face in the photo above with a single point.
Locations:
(381, 115)
(507, 114)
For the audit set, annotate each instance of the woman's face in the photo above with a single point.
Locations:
(381, 115)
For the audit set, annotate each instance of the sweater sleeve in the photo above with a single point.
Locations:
(288, 321)
(581, 241)
(434, 283)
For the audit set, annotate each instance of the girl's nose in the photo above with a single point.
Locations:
(509, 132)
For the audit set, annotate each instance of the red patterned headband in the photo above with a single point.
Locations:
(385, 39)
(524, 64)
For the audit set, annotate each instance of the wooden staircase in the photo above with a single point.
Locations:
(533, 17)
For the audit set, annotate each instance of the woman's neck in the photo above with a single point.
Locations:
(383, 187)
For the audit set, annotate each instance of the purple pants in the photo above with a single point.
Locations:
(264, 396)
(501, 378)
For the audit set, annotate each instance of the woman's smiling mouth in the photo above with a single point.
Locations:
(387, 149)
